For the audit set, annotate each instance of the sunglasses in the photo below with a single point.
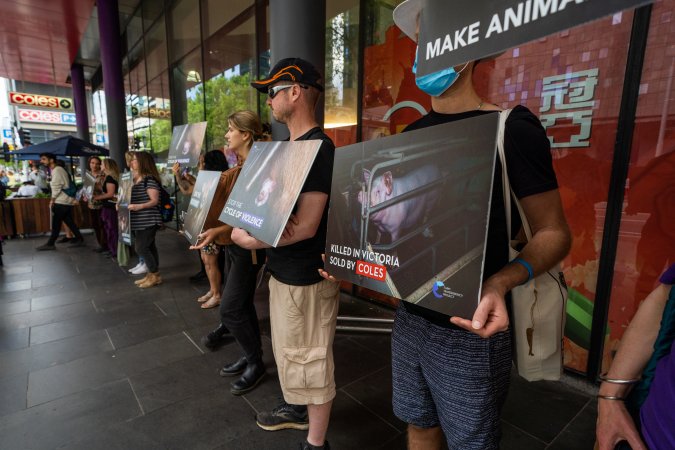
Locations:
(274, 90)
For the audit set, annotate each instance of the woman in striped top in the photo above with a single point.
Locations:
(145, 216)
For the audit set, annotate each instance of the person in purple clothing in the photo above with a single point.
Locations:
(644, 366)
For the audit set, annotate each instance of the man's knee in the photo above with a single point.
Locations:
(424, 438)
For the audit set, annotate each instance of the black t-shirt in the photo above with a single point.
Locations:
(530, 169)
(298, 264)
(108, 203)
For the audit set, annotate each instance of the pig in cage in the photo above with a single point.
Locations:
(422, 206)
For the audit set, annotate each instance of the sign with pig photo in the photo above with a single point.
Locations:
(408, 214)
(268, 187)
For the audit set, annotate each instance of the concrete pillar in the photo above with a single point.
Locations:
(80, 101)
(113, 86)
(307, 20)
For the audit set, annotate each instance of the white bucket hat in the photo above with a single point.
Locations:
(406, 15)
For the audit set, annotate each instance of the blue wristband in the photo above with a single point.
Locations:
(527, 266)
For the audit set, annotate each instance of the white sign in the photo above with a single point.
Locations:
(39, 116)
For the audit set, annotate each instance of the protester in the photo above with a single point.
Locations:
(61, 203)
(237, 311)
(186, 184)
(145, 216)
(294, 89)
(94, 164)
(108, 204)
(643, 375)
(451, 376)
(215, 161)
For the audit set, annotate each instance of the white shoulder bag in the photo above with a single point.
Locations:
(539, 306)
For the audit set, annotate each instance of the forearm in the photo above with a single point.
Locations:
(548, 247)
(637, 343)
(246, 241)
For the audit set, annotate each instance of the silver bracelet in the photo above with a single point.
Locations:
(610, 397)
(617, 380)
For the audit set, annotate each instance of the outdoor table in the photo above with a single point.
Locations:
(32, 215)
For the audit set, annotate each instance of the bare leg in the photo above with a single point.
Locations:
(319, 416)
(424, 438)
(212, 272)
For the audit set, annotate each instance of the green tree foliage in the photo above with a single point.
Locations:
(223, 97)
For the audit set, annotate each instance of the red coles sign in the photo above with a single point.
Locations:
(44, 101)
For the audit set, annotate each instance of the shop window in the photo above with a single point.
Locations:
(100, 121)
(159, 115)
(188, 89)
(230, 67)
(341, 71)
(184, 30)
(647, 235)
(134, 28)
(217, 15)
(151, 10)
(155, 50)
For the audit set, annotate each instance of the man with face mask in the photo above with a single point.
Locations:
(450, 377)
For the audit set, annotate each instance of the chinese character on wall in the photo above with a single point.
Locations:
(569, 96)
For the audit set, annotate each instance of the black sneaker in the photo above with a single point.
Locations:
(284, 417)
(307, 446)
(214, 339)
(64, 239)
(45, 247)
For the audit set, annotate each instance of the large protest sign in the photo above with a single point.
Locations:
(268, 187)
(457, 31)
(408, 214)
(186, 144)
(123, 213)
(200, 204)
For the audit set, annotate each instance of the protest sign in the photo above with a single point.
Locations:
(186, 144)
(123, 213)
(268, 187)
(408, 214)
(200, 204)
(454, 32)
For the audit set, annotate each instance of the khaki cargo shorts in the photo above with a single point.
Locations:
(303, 320)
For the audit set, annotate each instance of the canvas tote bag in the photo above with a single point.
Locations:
(538, 306)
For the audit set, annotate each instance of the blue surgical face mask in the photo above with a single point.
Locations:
(436, 83)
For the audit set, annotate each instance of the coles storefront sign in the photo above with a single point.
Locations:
(43, 101)
(39, 116)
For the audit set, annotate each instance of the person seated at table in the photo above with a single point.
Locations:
(27, 189)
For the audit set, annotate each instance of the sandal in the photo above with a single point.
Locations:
(205, 297)
(212, 302)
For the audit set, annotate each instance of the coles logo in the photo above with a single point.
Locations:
(33, 115)
(44, 101)
(370, 270)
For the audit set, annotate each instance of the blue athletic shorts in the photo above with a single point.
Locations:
(450, 378)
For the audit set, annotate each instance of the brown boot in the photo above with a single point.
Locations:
(153, 280)
(142, 280)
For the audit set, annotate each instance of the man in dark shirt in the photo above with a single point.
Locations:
(450, 377)
(303, 306)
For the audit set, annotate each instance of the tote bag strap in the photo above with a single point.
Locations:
(506, 185)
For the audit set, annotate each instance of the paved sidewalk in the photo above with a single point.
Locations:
(89, 361)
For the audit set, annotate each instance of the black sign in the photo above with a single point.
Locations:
(457, 31)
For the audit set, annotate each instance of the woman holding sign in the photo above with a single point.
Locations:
(213, 161)
(145, 216)
(108, 212)
(237, 311)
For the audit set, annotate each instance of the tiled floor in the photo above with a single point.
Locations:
(89, 361)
